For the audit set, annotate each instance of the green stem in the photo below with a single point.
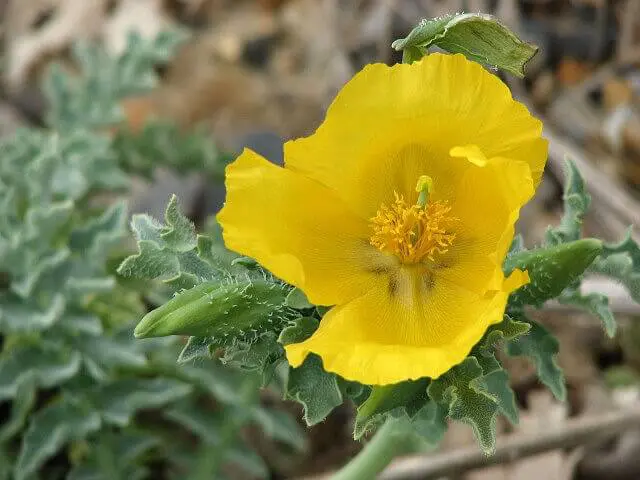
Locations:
(386, 444)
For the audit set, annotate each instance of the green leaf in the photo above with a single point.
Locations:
(430, 423)
(5, 465)
(496, 384)
(106, 354)
(261, 354)
(171, 252)
(179, 233)
(197, 347)
(91, 100)
(621, 261)
(410, 396)
(478, 36)
(463, 390)
(119, 400)
(298, 331)
(280, 426)
(506, 330)
(217, 380)
(214, 309)
(22, 405)
(297, 299)
(98, 236)
(165, 143)
(495, 379)
(541, 347)
(576, 204)
(18, 315)
(115, 456)
(317, 390)
(50, 430)
(47, 367)
(150, 262)
(202, 422)
(595, 303)
(209, 427)
(551, 269)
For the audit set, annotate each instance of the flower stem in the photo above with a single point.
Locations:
(386, 444)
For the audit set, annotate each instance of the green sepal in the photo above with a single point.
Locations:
(465, 393)
(479, 37)
(576, 203)
(410, 396)
(541, 347)
(550, 270)
(317, 390)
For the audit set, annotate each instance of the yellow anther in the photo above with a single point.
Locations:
(414, 233)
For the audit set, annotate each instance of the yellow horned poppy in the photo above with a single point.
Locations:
(397, 212)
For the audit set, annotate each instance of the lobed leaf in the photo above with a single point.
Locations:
(91, 100)
(595, 303)
(541, 347)
(463, 390)
(45, 366)
(171, 252)
(119, 400)
(409, 396)
(50, 430)
(621, 261)
(315, 389)
(576, 204)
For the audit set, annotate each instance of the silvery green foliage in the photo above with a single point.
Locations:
(72, 377)
(92, 99)
(474, 392)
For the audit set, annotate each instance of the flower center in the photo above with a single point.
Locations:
(414, 233)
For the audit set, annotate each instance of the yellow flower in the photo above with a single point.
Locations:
(398, 212)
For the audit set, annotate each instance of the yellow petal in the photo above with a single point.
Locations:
(486, 204)
(407, 332)
(389, 125)
(297, 229)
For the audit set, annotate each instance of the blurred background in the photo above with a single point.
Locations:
(257, 72)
